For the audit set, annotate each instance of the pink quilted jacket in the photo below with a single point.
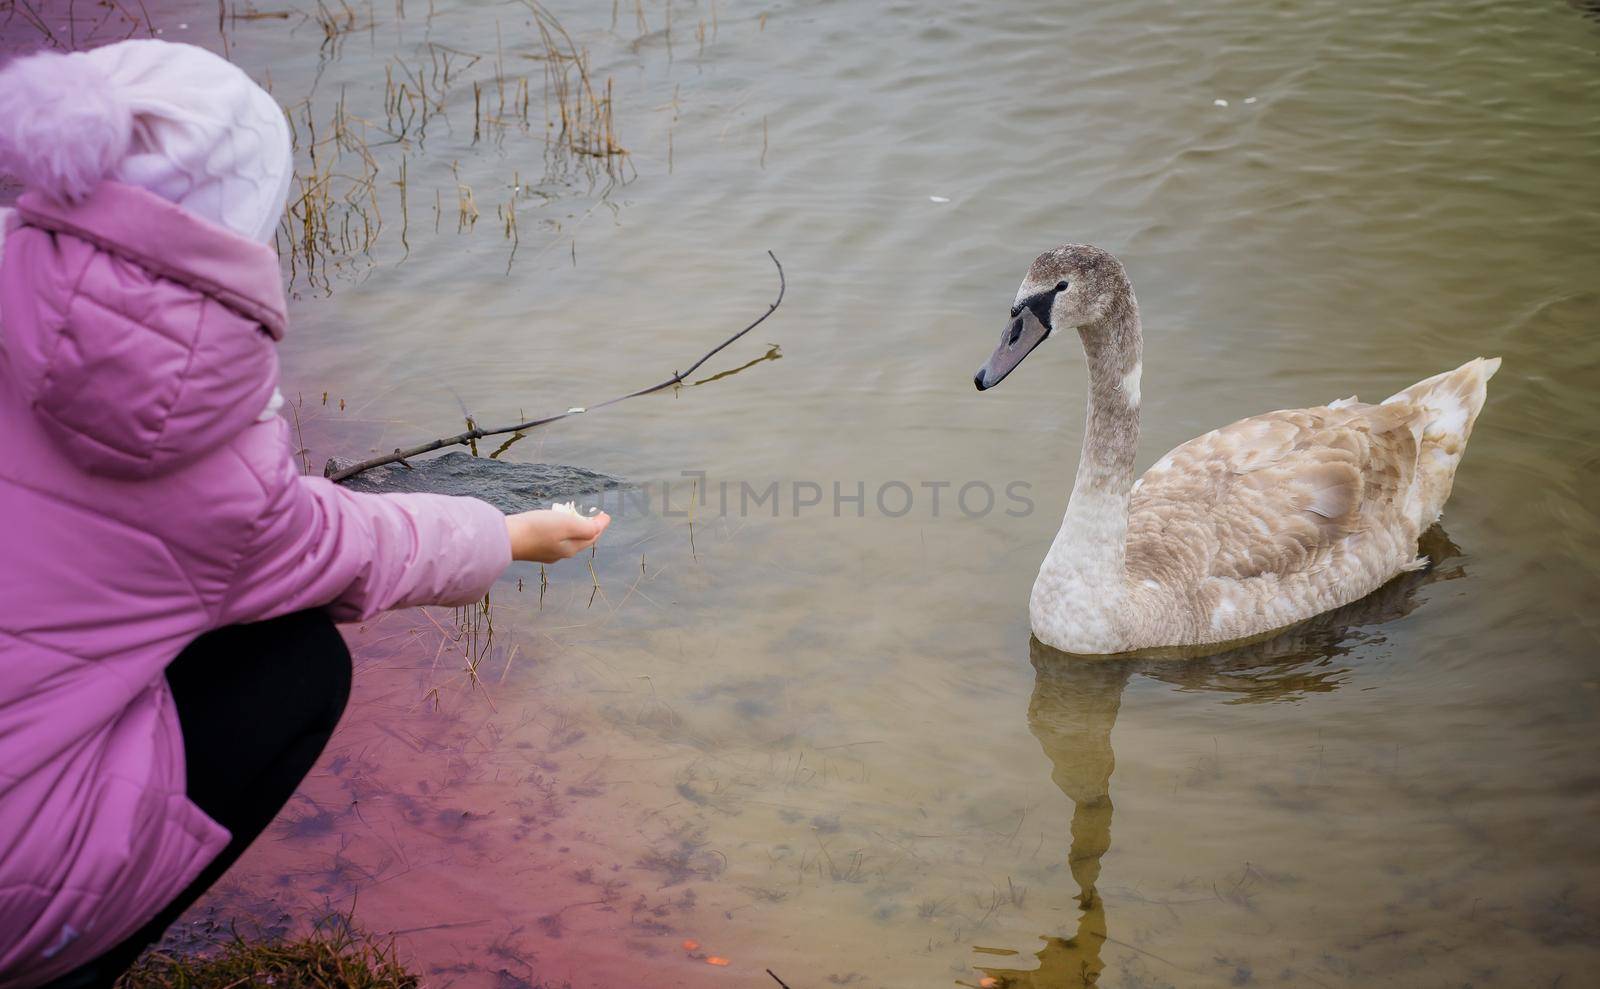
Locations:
(142, 503)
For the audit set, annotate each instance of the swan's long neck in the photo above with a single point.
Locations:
(1091, 545)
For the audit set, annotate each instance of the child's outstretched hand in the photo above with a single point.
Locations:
(546, 536)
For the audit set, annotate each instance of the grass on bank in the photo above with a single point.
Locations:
(333, 956)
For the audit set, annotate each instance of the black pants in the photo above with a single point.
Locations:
(257, 704)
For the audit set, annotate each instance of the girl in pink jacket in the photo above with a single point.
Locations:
(169, 670)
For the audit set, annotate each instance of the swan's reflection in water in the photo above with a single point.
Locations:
(1074, 706)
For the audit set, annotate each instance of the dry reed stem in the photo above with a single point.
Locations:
(334, 219)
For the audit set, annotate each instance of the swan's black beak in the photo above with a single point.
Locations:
(1021, 335)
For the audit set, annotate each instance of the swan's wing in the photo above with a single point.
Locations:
(1281, 493)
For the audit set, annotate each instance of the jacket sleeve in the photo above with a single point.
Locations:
(319, 544)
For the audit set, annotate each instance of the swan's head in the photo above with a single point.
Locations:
(1074, 285)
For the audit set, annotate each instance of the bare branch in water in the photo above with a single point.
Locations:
(478, 433)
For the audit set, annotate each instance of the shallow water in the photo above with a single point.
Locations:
(821, 742)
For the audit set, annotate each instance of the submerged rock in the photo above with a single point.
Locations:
(509, 487)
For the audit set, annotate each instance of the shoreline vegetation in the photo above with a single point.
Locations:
(334, 955)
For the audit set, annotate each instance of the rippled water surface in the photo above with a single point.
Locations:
(820, 743)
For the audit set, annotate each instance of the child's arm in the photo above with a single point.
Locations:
(320, 544)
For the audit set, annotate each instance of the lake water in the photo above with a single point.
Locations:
(815, 738)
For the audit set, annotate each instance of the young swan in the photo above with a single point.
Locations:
(1245, 530)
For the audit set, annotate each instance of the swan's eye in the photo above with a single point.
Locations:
(1061, 286)
(1016, 310)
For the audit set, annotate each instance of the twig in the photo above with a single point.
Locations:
(400, 456)
(776, 979)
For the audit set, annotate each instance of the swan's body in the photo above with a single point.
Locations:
(1247, 529)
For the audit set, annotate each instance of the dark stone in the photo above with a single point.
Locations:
(509, 487)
